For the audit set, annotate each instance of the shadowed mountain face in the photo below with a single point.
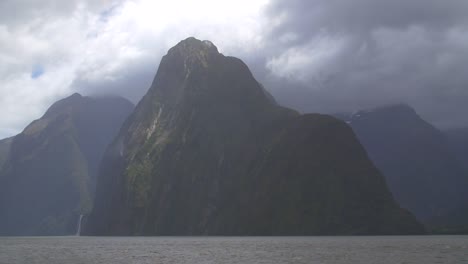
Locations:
(421, 169)
(458, 218)
(48, 175)
(208, 152)
(5, 145)
(458, 140)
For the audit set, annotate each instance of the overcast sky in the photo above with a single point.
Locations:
(314, 55)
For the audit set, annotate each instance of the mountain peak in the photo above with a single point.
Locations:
(401, 108)
(387, 111)
(66, 103)
(194, 71)
(75, 95)
(193, 44)
(195, 49)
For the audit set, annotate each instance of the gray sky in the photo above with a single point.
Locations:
(314, 55)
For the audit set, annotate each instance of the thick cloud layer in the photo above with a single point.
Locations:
(315, 55)
(50, 49)
(345, 55)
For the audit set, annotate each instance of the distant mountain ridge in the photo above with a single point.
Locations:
(420, 167)
(208, 152)
(48, 175)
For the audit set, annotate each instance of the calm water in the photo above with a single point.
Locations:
(336, 250)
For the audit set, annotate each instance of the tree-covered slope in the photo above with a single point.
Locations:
(48, 177)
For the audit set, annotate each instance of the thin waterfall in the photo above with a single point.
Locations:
(78, 229)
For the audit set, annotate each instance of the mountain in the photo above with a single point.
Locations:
(208, 152)
(457, 219)
(5, 145)
(420, 167)
(458, 140)
(49, 170)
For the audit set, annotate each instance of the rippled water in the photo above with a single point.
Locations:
(141, 250)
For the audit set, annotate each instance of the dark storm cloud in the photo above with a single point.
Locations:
(308, 17)
(344, 55)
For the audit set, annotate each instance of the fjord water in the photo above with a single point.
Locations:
(194, 250)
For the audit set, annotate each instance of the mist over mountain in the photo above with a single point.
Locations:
(419, 163)
(47, 172)
(208, 152)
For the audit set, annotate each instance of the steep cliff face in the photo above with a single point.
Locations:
(421, 169)
(208, 152)
(48, 175)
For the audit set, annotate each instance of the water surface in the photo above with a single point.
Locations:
(219, 250)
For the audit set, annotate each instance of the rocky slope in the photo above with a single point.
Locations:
(48, 175)
(208, 152)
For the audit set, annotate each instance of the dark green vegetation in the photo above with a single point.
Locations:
(208, 152)
(48, 175)
(419, 163)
